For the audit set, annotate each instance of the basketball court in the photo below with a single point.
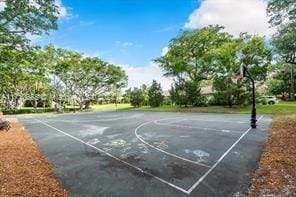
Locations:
(150, 153)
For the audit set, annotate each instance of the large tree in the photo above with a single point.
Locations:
(188, 61)
(20, 18)
(285, 46)
(19, 77)
(188, 55)
(75, 77)
(248, 51)
(283, 16)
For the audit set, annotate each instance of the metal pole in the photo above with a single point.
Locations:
(253, 113)
(253, 116)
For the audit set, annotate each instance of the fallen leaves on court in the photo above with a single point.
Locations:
(23, 169)
(276, 175)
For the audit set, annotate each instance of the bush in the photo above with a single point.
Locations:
(37, 110)
(40, 103)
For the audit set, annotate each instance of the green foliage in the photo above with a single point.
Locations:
(155, 94)
(283, 15)
(280, 83)
(228, 92)
(22, 17)
(37, 103)
(284, 42)
(127, 96)
(80, 78)
(210, 54)
(281, 11)
(137, 97)
(249, 51)
(19, 77)
(145, 90)
(189, 55)
(187, 93)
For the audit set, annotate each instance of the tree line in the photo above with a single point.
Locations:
(40, 75)
(211, 56)
(207, 55)
(145, 95)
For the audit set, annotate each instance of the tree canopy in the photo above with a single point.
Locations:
(21, 18)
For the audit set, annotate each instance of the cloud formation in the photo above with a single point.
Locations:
(235, 15)
(145, 74)
(63, 11)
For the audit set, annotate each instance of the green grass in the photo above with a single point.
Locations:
(110, 107)
(283, 107)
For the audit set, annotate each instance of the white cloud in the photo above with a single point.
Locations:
(2, 6)
(236, 15)
(145, 74)
(124, 44)
(164, 51)
(63, 11)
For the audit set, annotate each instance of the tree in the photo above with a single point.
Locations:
(88, 77)
(155, 94)
(17, 75)
(188, 55)
(75, 77)
(249, 51)
(279, 83)
(281, 11)
(22, 17)
(137, 97)
(284, 42)
(127, 96)
(145, 90)
(189, 60)
(178, 94)
(283, 16)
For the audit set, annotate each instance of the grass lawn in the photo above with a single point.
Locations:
(282, 107)
(110, 107)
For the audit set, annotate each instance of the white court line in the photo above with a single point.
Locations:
(200, 180)
(163, 151)
(207, 120)
(219, 160)
(96, 120)
(116, 158)
(192, 127)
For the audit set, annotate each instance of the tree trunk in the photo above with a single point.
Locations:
(292, 95)
(81, 105)
(87, 104)
(35, 104)
(229, 101)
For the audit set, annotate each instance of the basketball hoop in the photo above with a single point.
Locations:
(236, 78)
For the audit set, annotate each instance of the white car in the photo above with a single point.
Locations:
(271, 100)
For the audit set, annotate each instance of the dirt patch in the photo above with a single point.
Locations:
(276, 175)
(23, 169)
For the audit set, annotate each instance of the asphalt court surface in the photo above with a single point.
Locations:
(150, 153)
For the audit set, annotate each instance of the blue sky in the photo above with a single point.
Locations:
(122, 31)
(131, 33)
